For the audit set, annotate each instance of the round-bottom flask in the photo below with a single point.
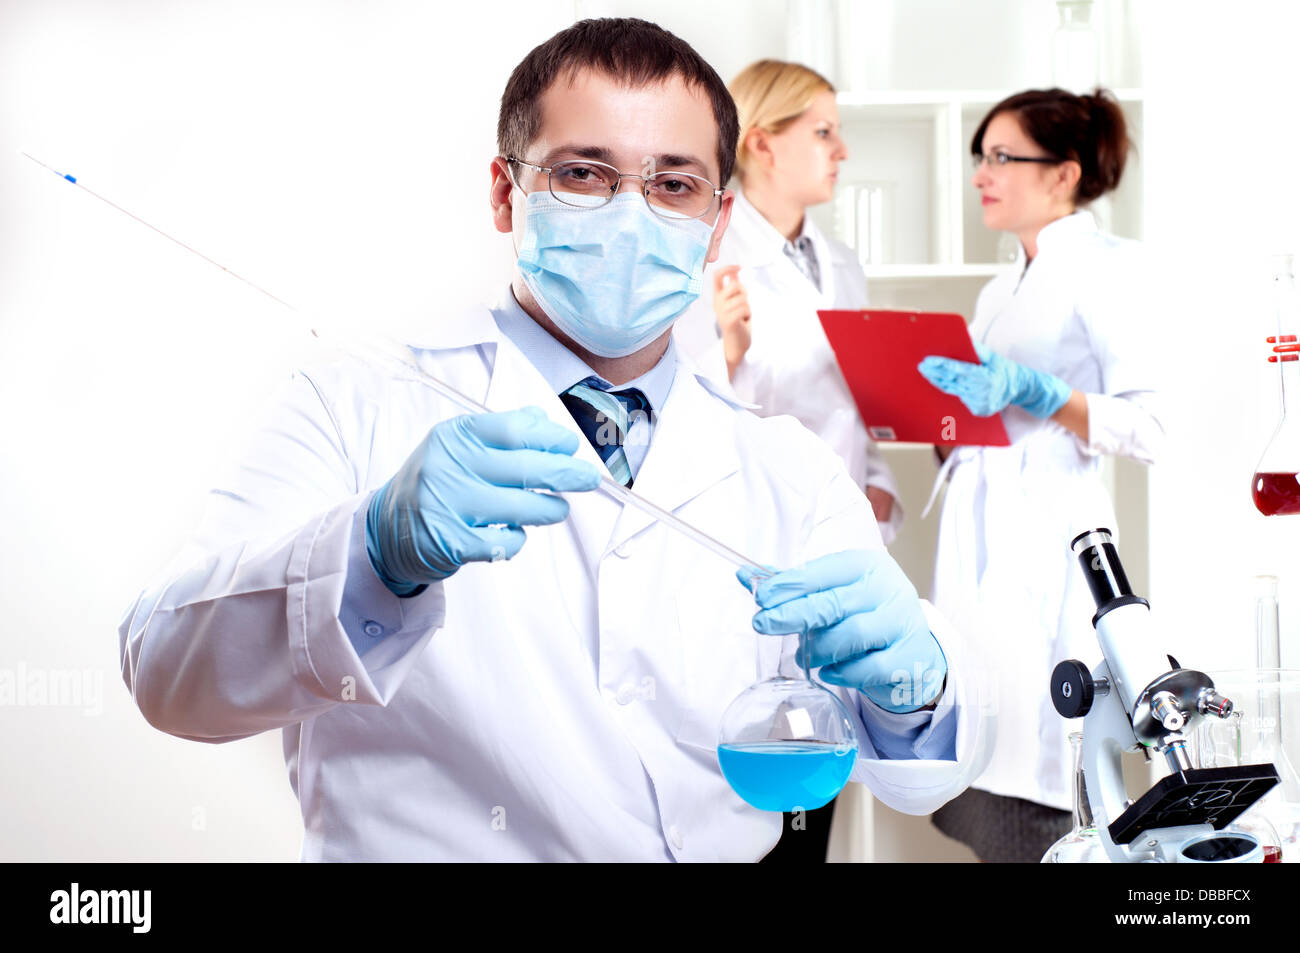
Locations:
(787, 744)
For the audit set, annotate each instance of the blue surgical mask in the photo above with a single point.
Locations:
(612, 278)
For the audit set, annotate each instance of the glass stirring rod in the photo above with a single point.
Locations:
(394, 356)
(397, 358)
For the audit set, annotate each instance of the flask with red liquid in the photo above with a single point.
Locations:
(1275, 486)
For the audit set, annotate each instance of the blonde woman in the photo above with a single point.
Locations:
(775, 269)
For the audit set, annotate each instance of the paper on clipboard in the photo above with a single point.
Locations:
(878, 352)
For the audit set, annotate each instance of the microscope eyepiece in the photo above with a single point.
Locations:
(1103, 570)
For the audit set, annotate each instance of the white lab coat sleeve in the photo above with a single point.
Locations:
(1126, 425)
(248, 630)
(881, 476)
(942, 750)
(950, 745)
(1118, 312)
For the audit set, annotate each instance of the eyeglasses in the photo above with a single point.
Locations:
(584, 183)
(996, 159)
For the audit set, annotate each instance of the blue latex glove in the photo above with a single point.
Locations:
(863, 625)
(466, 490)
(995, 382)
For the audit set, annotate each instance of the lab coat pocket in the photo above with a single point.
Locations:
(722, 656)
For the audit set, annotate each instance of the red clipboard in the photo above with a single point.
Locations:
(878, 352)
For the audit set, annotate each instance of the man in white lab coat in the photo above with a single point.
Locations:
(451, 688)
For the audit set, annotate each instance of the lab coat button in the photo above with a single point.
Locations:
(373, 629)
(675, 836)
(626, 692)
(622, 552)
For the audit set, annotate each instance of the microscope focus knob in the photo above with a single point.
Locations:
(1072, 689)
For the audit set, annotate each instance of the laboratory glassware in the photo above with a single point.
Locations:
(787, 743)
(1275, 486)
(1082, 845)
(1268, 663)
(1264, 727)
(1259, 730)
(402, 361)
(1255, 822)
(859, 216)
(1075, 50)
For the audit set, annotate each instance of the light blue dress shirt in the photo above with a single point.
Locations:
(562, 369)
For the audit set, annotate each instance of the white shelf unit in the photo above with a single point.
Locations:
(913, 149)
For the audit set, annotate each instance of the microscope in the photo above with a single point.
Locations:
(1139, 698)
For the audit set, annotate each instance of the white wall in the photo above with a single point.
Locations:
(1223, 193)
(336, 153)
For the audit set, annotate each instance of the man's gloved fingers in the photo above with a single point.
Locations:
(536, 470)
(527, 428)
(986, 353)
(894, 690)
(817, 610)
(858, 634)
(916, 663)
(893, 679)
(861, 672)
(825, 572)
(864, 578)
(513, 507)
(490, 544)
(751, 576)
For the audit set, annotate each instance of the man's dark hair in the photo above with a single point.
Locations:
(634, 51)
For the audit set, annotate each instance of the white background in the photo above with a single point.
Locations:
(337, 154)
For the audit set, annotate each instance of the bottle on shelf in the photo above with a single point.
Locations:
(1076, 54)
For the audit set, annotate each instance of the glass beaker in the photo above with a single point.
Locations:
(1075, 50)
(1083, 844)
(1275, 486)
(1264, 728)
(787, 743)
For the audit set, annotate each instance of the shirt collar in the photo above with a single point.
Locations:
(561, 368)
(1065, 229)
(768, 244)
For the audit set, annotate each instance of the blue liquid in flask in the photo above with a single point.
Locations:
(785, 775)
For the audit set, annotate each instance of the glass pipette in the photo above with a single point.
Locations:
(397, 357)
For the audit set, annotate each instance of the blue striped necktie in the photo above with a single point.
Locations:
(605, 417)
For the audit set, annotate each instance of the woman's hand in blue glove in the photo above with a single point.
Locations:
(995, 382)
(863, 624)
(466, 490)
